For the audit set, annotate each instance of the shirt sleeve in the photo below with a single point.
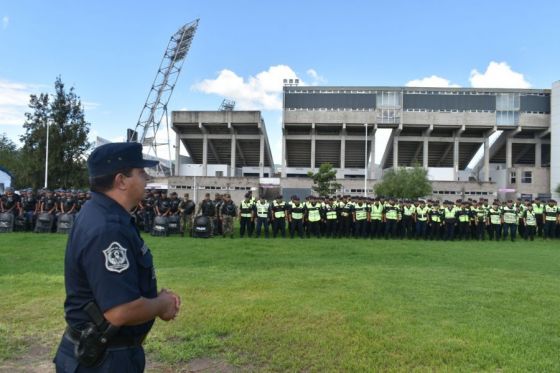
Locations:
(110, 264)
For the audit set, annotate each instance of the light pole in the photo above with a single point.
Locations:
(47, 157)
(365, 163)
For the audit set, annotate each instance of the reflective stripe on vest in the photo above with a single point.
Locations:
(422, 213)
(246, 209)
(313, 213)
(531, 218)
(494, 216)
(538, 209)
(510, 215)
(361, 212)
(296, 211)
(262, 209)
(551, 213)
(376, 212)
(391, 212)
(279, 209)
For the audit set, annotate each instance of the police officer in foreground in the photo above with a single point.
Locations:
(111, 291)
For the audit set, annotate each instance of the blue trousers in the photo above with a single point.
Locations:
(117, 360)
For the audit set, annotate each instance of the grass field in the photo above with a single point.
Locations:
(319, 305)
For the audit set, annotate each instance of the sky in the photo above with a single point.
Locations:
(109, 51)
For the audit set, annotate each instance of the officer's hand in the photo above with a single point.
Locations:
(171, 304)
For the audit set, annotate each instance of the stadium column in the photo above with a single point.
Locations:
(486, 164)
(426, 145)
(204, 149)
(177, 153)
(396, 152)
(456, 152)
(343, 147)
(261, 155)
(555, 138)
(233, 150)
(284, 173)
(538, 151)
(508, 153)
(372, 151)
(313, 147)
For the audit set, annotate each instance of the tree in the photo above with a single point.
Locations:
(9, 156)
(68, 143)
(405, 183)
(324, 180)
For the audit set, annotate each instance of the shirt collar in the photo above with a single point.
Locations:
(110, 204)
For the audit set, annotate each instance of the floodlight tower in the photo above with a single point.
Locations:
(155, 108)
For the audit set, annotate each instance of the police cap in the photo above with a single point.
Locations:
(110, 158)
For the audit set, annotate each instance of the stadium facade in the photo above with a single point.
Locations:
(473, 141)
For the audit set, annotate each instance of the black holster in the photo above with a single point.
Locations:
(94, 338)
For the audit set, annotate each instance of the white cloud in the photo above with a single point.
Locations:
(5, 22)
(498, 75)
(316, 78)
(431, 81)
(259, 92)
(14, 98)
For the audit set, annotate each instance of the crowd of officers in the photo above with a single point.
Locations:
(330, 217)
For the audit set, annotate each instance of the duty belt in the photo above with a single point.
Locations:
(73, 335)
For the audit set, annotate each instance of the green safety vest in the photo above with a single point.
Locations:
(313, 213)
(480, 213)
(297, 211)
(510, 215)
(376, 211)
(279, 209)
(408, 211)
(262, 209)
(361, 212)
(246, 209)
(391, 212)
(530, 218)
(331, 212)
(495, 216)
(422, 213)
(345, 209)
(463, 216)
(538, 209)
(435, 215)
(551, 213)
(449, 214)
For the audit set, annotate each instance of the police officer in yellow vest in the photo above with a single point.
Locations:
(463, 217)
(450, 220)
(530, 222)
(390, 218)
(279, 208)
(346, 209)
(480, 220)
(376, 219)
(313, 217)
(510, 219)
(262, 211)
(408, 211)
(360, 218)
(435, 216)
(330, 212)
(246, 216)
(421, 219)
(550, 219)
(538, 208)
(296, 215)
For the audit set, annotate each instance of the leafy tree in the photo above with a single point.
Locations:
(68, 144)
(405, 183)
(324, 180)
(9, 156)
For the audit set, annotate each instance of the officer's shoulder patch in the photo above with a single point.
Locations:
(115, 258)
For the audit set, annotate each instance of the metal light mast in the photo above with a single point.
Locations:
(155, 107)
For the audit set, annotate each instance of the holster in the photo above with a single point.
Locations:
(93, 340)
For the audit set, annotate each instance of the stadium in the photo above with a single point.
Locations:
(474, 142)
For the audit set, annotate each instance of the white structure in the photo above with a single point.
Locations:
(5, 179)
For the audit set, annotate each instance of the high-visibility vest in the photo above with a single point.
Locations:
(345, 209)
(510, 215)
(331, 212)
(480, 213)
(408, 211)
(313, 212)
(450, 213)
(435, 215)
(551, 213)
(391, 212)
(279, 209)
(463, 216)
(538, 208)
(246, 209)
(296, 211)
(376, 211)
(361, 211)
(495, 215)
(531, 218)
(262, 209)
(422, 213)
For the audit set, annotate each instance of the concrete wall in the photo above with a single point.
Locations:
(555, 138)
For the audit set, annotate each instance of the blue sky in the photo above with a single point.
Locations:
(110, 51)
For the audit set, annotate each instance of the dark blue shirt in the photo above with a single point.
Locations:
(106, 261)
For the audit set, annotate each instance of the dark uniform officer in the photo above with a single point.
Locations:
(109, 271)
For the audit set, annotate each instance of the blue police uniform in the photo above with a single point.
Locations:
(106, 262)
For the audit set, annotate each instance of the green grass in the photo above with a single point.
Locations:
(320, 305)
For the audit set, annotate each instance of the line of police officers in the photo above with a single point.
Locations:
(360, 217)
(28, 205)
(341, 216)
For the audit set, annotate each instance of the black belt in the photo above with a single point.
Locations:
(119, 341)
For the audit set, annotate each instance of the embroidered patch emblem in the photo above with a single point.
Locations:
(115, 258)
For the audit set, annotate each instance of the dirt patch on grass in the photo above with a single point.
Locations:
(38, 359)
